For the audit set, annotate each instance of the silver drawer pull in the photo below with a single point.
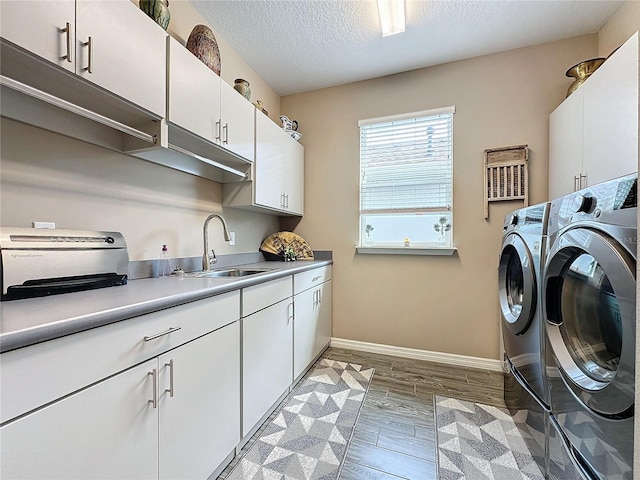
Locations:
(170, 389)
(158, 335)
(67, 31)
(314, 279)
(89, 67)
(154, 400)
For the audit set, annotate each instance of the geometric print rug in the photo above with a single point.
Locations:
(309, 437)
(481, 442)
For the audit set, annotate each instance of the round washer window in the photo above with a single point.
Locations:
(591, 324)
(514, 281)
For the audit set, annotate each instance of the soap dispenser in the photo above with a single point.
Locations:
(165, 269)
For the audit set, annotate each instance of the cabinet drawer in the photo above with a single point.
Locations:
(38, 374)
(311, 278)
(261, 296)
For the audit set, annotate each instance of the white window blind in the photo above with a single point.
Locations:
(406, 172)
(406, 164)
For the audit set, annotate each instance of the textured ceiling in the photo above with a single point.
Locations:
(302, 45)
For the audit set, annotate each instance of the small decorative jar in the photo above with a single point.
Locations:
(158, 10)
(242, 86)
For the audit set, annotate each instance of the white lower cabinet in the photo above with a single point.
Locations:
(109, 430)
(199, 409)
(312, 317)
(267, 353)
(168, 395)
(174, 415)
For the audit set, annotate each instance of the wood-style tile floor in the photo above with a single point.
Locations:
(395, 435)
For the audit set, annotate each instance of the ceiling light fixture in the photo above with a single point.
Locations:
(391, 16)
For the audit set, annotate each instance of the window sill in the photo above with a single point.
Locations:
(447, 251)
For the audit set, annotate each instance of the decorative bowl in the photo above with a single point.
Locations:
(202, 43)
(582, 71)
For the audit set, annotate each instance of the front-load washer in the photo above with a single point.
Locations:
(519, 280)
(590, 322)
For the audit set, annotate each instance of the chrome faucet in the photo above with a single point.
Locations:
(207, 260)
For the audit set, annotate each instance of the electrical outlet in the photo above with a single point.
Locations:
(232, 238)
(49, 225)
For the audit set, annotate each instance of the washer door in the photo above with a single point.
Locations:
(589, 287)
(516, 285)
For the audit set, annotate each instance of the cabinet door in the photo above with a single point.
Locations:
(293, 175)
(237, 118)
(312, 325)
(267, 360)
(565, 145)
(304, 329)
(611, 116)
(194, 94)
(268, 178)
(127, 52)
(200, 410)
(109, 430)
(323, 333)
(41, 27)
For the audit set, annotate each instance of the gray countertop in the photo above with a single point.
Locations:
(30, 321)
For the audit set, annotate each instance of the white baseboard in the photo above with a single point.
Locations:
(438, 357)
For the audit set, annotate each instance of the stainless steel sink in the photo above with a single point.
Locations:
(229, 272)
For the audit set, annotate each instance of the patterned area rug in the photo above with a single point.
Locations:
(309, 437)
(481, 442)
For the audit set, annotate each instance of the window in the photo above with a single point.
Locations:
(406, 180)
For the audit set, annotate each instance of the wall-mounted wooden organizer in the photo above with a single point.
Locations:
(506, 175)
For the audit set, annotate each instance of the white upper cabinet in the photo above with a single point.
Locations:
(269, 175)
(293, 176)
(194, 94)
(278, 174)
(203, 104)
(610, 146)
(44, 28)
(112, 44)
(237, 122)
(593, 134)
(119, 48)
(565, 145)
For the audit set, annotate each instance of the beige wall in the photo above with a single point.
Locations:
(443, 304)
(49, 177)
(624, 23)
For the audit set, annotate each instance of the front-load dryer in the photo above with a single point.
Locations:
(590, 321)
(519, 280)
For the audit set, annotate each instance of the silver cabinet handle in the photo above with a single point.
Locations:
(315, 298)
(316, 278)
(158, 335)
(154, 400)
(170, 389)
(218, 130)
(583, 185)
(290, 312)
(225, 129)
(576, 183)
(89, 44)
(282, 200)
(67, 31)
(319, 296)
(286, 197)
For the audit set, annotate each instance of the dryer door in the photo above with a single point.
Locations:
(589, 285)
(517, 288)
